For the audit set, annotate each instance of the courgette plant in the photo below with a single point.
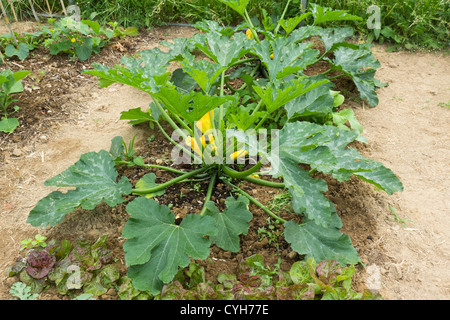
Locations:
(214, 124)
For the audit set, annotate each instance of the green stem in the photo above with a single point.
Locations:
(252, 28)
(174, 142)
(231, 88)
(265, 182)
(169, 119)
(325, 72)
(153, 166)
(222, 85)
(239, 175)
(340, 75)
(261, 122)
(257, 107)
(171, 182)
(254, 201)
(242, 61)
(212, 181)
(183, 124)
(282, 17)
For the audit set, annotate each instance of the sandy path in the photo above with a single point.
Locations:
(410, 133)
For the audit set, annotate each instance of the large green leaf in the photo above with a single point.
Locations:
(275, 96)
(361, 66)
(223, 49)
(335, 37)
(22, 51)
(156, 247)
(179, 47)
(323, 148)
(304, 33)
(324, 14)
(307, 192)
(237, 5)
(95, 179)
(230, 223)
(288, 57)
(321, 243)
(191, 106)
(318, 101)
(204, 72)
(84, 51)
(146, 72)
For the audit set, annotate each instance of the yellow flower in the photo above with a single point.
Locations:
(238, 154)
(271, 56)
(205, 123)
(249, 34)
(190, 141)
(73, 40)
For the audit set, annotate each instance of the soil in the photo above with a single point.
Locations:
(64, 114)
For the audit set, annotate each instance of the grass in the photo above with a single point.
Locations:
(407, 24)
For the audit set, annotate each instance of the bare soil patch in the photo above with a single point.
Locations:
(64, 114)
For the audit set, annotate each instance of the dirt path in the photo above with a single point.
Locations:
(408, 132)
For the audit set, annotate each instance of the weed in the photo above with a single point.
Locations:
(398, 218)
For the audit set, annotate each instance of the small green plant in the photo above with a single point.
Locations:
(10, 83)
(272, 232)
(306, 280)
(121, 32)
(21, 291)
(398, 218)
(444, 105)
(38, 241)
(79, 39)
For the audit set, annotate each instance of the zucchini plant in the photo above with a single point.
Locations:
(278, 121)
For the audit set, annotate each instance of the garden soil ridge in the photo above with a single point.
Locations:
(408, 132)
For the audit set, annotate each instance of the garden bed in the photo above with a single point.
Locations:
(54, 102)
